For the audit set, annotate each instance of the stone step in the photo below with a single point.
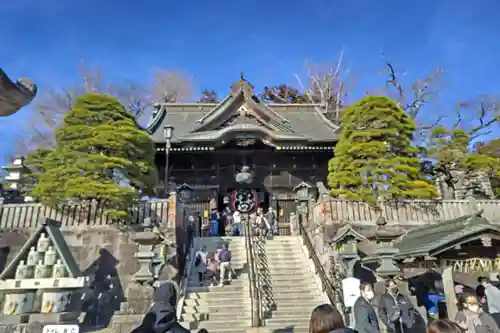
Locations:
(286, 269)
(236, 252)
(235, 263)
(280, 261)
(288, 321)
(294, 309)
(281, 245)
(279, 288)
(228, 288)
(242, 280)
(217, 316)
(283, 254)
(218, 245)
(289, 268)
(217, 326)
(295, 298)
(303, 272)
(238, 268)
(221, 308)
(235, 300)
(215, 297)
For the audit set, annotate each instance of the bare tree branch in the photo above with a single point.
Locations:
(328, 85)
(421, 91)
(50, 107)
(478, 116)
(171, 86)
(135, 96)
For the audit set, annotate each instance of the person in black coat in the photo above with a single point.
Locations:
(365, 318)
(395, 310)
(162, 316)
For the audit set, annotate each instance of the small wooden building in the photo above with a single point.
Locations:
(243, 151)
(469, 245)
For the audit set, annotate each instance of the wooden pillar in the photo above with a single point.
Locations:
(449, 293)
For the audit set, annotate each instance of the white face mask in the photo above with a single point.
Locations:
(474, 308)
(369, 295)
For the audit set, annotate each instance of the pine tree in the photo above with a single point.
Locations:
(101, 154)
(283, 94)
(208, 96)
(374, 157)
(452, 159)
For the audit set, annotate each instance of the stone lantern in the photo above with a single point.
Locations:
(383, 257)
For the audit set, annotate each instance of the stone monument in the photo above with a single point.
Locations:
(42, 282)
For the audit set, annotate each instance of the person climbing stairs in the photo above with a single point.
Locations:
(225, 308)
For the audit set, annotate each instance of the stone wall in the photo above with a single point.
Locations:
(108, 253)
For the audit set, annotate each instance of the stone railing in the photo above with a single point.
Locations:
(406, 212)
(29, 215)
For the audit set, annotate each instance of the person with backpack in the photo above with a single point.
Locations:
(201, 262)
(472, 319)
(225, 264)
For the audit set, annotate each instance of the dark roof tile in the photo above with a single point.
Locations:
(423, 240)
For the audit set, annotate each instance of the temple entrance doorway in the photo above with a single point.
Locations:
(244, 200)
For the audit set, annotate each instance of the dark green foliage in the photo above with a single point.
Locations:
(35, 168)
(283, 94)
(492, 149)
(374, 157)
(208, 96)
(449, 149)
(102, 154)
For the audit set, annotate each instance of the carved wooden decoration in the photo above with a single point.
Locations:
(420, 264)
(474, 265)
(486, 241)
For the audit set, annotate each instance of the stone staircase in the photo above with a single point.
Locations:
(290, 287)
(220, 308)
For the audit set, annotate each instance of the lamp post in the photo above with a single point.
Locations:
(167, 135)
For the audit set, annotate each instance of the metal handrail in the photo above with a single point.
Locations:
(334, 295)
(253, 278)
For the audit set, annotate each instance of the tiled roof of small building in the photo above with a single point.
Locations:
(426, 239)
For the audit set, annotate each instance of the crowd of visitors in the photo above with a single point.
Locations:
(398, 314)
(393, 309)
(211, 267)
(263, 223)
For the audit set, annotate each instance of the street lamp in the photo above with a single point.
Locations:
(167, 135)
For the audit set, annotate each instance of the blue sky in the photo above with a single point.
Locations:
(213, 41)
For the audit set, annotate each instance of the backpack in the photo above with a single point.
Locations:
(197, 261)
(225, 256)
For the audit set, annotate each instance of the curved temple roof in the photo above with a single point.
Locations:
(14, 95)
(242, 113)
